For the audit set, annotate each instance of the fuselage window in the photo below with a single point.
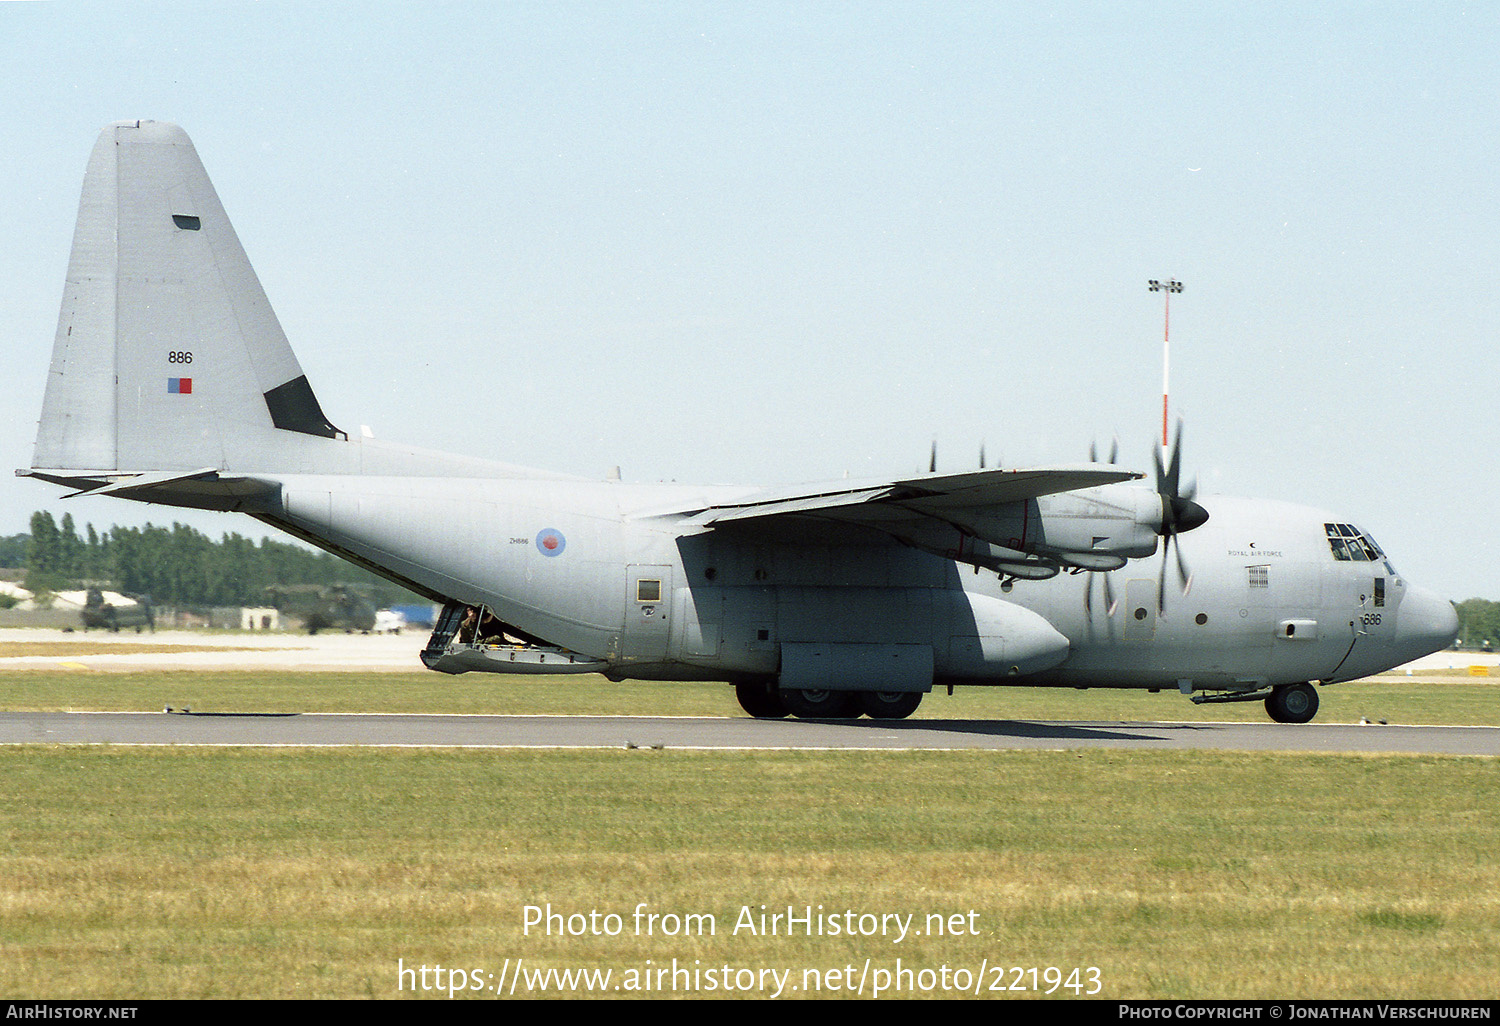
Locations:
(648, 591)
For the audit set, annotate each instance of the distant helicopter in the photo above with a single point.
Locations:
(132, 611)
(339, 607)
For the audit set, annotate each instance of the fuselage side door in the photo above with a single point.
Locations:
(648, 606)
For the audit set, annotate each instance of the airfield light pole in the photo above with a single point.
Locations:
(1166, 287)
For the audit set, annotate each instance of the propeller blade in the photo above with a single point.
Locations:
(1179, 513)
(1184, 575)
(1109, 595)
(1161, 580)
(1174, 469)
(932, 461)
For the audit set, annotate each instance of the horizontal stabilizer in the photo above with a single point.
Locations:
(124, 483)
(206, 488)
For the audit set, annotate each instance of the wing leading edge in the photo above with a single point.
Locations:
(933, 495)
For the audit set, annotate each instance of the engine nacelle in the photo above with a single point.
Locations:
(1094, 529)
(1123, 522)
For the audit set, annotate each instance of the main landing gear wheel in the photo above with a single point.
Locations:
(1292, 703)
(760, 700)
(889, 705)
(819, 704)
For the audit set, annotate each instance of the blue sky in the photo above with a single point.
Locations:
(768, 243)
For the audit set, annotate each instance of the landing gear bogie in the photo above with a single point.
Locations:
(889, 705)
(820, 704)
(765, 702)
(761, 700)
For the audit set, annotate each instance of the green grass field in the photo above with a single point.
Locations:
(164, 873)
(136, 873)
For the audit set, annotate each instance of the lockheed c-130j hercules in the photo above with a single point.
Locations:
(171, 382)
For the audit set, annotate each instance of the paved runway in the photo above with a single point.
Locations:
(722, 733)
(326, 652)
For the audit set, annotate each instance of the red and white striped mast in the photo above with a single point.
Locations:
(1166, 287)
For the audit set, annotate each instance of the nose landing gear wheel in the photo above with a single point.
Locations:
(1292, 703)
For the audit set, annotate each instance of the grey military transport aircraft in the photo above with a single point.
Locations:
(172, 382)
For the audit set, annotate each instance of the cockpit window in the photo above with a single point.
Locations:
(1349, 544)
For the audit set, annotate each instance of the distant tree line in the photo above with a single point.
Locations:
(1478, 622)
(13, 550)
(177, 565)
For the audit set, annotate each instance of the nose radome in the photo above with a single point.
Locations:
(1428, 622)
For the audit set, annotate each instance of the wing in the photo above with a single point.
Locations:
(934, 495)
(985, 518)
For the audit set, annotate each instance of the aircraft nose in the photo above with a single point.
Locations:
(1428, 622)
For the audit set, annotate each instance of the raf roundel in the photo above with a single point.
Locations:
(551, 542)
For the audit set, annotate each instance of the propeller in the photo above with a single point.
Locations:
(1088, 589)
(1114, 451)
(983, 462)
(1088, 597)
(1179, 513)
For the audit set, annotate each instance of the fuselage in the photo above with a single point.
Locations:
(591, 567)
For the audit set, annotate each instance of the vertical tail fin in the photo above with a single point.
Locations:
(168, 355)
